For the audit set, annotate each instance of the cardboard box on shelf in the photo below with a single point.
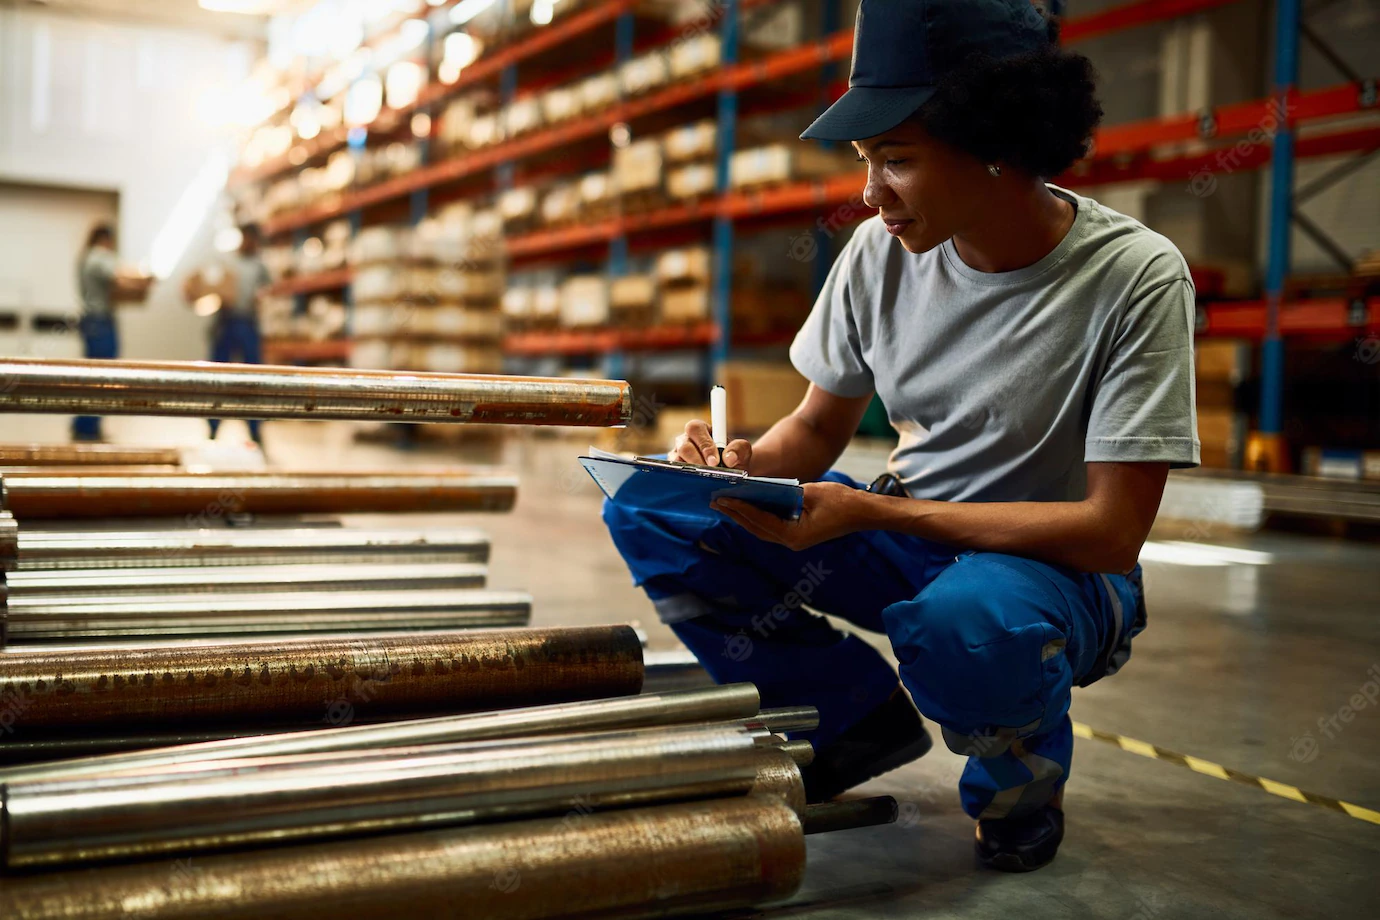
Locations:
(466, 323)
(1370, 465)
(518, 208)
(644, 73)
(560, 104)
(685, 303)
(760, 393)
(1223, 436)
(584, 301)
(522, 116)
(781, 163)
(597, 196)
(637, 168)
(1225, 360)
(695, 55)
(690, 142)
(546, 305)
(689, 264)
(694, 181)
(560, 205)
(598, 92)
(632, 300)
(1215, 394)
(760, 309)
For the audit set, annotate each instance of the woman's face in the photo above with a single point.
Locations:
(926, 191)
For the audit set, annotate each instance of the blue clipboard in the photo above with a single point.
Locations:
(679, 488)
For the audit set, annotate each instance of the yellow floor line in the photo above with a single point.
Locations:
(1208, 768)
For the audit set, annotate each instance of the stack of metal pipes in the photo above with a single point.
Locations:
(68, 572)
(293, 721)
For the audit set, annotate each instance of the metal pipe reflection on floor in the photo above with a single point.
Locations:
(208, 390)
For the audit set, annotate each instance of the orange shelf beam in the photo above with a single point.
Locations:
(602, 341)
(1321, 317)
(286, 351)
(311, 284)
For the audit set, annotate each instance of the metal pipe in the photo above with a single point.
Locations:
(87, 455)
(789, 719)
(270, 612)
(93, 585)
(730, 701)
(802, 752)
(711, 855)
(777, 774)
(282, 800)
(304, 679)
(9, 542)
(844, 816)
(207, 390)
(44, 551)
(108, 495)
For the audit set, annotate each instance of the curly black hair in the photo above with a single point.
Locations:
(1035, 112)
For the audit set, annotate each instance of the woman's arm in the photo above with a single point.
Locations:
(1102, 533)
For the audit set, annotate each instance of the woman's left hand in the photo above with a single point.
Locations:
(830, 511)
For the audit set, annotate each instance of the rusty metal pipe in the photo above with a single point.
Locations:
(240, 614)
(730, 701)
(295, 679)
(221, 804)
(779, 775)
(87, 455)
(95, 585)
(711, 855)
(109, 495)
(32, 550)
(207, 390)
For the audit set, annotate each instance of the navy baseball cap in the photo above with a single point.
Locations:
(903, 48)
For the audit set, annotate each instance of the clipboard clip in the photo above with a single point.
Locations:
(716, 472)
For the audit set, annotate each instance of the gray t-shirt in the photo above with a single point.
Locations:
(251, 274)
(1002, 385)
(96, 280)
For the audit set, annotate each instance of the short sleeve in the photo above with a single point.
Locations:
(1143, 408)
(828, 350)
(102, 265)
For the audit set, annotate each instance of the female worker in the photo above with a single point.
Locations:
(236, 334)
(101, 285)
(1034, 351)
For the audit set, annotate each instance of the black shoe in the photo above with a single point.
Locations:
(1021, 844)
(889, 736)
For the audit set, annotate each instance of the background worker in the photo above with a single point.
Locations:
(101, 284)
(236, 336)
(1034, 351)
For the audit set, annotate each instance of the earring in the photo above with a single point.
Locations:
(994, 169)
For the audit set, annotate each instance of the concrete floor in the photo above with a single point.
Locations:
(1243, 663)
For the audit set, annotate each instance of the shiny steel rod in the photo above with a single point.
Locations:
(94, 585)
(268, 612)
(296, 679)
(711, 855)
(208, 390)
(95, 494)
(87, 455)
(281, 800)
(711, 704)
(47, 551)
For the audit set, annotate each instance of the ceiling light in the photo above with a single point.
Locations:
(466, 10)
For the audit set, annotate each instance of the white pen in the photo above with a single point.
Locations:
(718, 419)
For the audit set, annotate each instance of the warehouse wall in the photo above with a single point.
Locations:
(119, 108)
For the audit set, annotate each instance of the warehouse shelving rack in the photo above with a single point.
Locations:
(1121, 153)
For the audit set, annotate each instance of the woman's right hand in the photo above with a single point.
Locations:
(696, 445)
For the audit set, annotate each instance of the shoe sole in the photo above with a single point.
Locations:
(1009, 862)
